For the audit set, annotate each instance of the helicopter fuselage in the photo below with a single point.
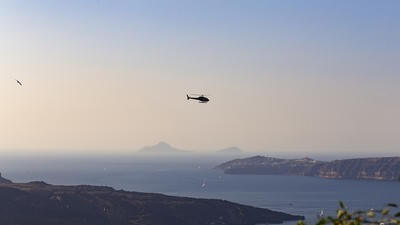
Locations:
(201, 99)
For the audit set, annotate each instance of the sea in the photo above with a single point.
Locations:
(193, 177)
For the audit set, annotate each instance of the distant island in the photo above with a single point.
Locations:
(44, 204)
(230, 150)
(384, 168)
(161, 147)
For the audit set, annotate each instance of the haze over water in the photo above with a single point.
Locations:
(291, 79)
(292, 194)
(101, 76)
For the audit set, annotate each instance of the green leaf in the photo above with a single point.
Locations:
(397, 214)
(340, 213)
(385, 212)
(392, 205)
(370, 214)
(341, 204)
(331, 219)
(300, 222)
(321, 222)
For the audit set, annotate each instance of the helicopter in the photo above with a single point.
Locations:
(200, 98)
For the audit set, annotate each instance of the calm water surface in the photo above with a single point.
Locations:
(292, 194)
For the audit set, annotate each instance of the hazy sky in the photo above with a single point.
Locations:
(315, 76)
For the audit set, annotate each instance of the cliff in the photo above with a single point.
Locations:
(385, 168)
(38, 203)
(4, 180)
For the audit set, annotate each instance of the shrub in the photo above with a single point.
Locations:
(390, 215)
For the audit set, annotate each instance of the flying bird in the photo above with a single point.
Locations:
(19, 82)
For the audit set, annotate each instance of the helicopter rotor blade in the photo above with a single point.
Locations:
(200, 95)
